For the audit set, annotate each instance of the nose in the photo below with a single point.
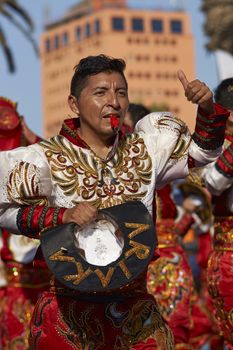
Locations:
(113, 100)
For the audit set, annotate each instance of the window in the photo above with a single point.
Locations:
(118, 24)
(157, 25)
(47, 45)
(97, 26)
(176, 26)
(56, 42)
(87, 30)
(78, 33)
(65, 39)
(137, 25)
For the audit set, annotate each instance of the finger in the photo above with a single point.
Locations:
(203, 94)
(183, 79)
(203, 100)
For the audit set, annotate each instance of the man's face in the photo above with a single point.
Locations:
(104, 95)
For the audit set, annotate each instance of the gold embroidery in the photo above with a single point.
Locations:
(82, 275)
(23, 185)
(105, 279)
(140, 250)
(184, 139)
(80, 173)
(168, 282)
(125, 269)
(139, 228)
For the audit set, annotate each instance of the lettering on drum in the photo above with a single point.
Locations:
(141, 251)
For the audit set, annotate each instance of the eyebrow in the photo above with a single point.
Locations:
(106, 88)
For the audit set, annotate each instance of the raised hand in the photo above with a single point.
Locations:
(82, 214)
(197, 92)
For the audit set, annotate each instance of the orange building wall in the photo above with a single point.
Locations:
(152, 62)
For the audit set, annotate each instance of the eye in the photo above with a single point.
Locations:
(122, 93)
(99, 92)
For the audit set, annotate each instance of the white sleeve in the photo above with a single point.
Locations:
(24, 180)
(169, 143)
(216, 182)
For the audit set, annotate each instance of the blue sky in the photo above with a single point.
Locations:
(24, 85)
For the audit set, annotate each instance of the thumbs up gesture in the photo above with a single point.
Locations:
(197, 92)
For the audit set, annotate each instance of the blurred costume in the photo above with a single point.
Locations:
(169, 278)
(219, 181)
(204, 328)
(24, 283)
(40, 182)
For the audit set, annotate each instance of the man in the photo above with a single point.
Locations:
(91, 165)
(23, 282)
(219, 181)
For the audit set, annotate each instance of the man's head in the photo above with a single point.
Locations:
(99, 90)
(224, 96)
(136, 111)
(9, 117)
(93, 65)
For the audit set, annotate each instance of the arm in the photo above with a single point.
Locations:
(219, 175)
(25, 181)
(185, 151)
(210, 122)
(32, 219)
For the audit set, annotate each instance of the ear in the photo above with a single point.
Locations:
(72, 101)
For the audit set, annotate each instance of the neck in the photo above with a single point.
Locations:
(100, 146)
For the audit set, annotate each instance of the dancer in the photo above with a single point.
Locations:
(91, 165)
(23, 282)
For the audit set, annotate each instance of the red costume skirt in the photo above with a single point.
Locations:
(116, 322)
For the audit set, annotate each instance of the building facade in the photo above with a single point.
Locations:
(154, 44)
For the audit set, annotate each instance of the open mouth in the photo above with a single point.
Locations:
(111, 115)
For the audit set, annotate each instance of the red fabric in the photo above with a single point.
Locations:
(183, 225)
(97, 325)
(167, 207)
(5, 102)
(204, 249)
(225, 162)
(10, 139)
(30, 224)
(220, 285)
(70, 127)
(210, 129)
(60, 216)
(18, 305)
(204, 329)
(69, 131)
(169, 280)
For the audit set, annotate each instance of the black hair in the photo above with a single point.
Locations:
(224, 93)
(137, 111)
(92, 65)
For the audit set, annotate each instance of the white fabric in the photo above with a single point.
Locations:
(23, 248)
(216, 182)
(25, 172)
(99, 242)
(224, 64)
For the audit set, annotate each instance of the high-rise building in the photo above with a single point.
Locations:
(154, 43)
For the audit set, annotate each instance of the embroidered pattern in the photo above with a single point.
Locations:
(23, 185)
(82, 175)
